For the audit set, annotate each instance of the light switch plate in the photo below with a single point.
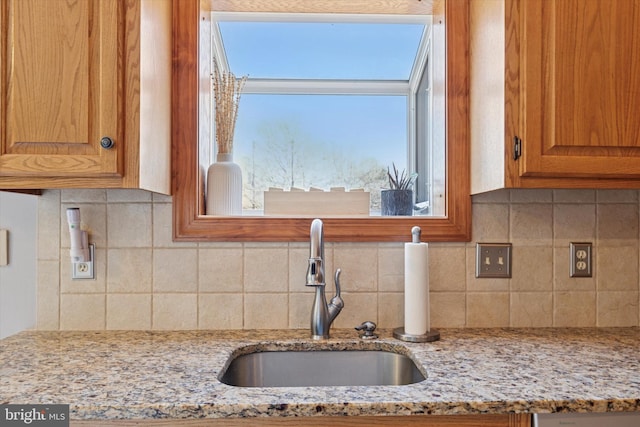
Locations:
(493, 260)
(4, 248)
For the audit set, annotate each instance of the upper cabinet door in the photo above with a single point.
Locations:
(580, 88)
(61, 68)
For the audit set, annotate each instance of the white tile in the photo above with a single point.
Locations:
(390, 269)
(77, 195)
(490, 223)
(487, 309)
(175, 311)
(359, 266)
(266, 311)
(447, 309)
(175, 270)
(531, 224)
(129, 225)
(127, 195)
(574, 196)
(49, 225)
(617, 224)
(574, 309)
(300, 304)
(618, 309)
(573, 223)
(220, 270)
(48, 301)
(129, 311)
(390, 310)
(82, 312)
(130, 270)
(447, 268)
(220, 311)
(617, 196)
(531, 309)
(266, 269)
(531, 196)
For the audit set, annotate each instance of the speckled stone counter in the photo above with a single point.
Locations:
(113, 375)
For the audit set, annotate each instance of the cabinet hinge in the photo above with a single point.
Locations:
(517, 147)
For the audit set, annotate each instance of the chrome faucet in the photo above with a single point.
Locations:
(322, 314)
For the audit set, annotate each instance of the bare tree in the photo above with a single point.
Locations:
(287, 158)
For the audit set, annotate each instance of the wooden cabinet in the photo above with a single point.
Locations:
(85, 90)
(511, 420)
(562, 78)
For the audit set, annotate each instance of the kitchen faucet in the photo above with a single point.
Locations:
(322, 314)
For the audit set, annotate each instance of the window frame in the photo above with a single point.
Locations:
(191, 71)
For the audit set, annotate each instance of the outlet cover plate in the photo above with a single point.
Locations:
(84, 270)
(493, 260)
(580, 259)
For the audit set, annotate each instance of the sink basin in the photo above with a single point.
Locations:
(321, 368)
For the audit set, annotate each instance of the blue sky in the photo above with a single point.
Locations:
(321, 50)
(362, 125)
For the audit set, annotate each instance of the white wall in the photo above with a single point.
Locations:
(18, 214)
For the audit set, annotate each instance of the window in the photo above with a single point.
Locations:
(191, 125)
(320, 141)
(330, 101)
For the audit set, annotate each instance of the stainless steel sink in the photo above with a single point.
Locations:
(321, 368)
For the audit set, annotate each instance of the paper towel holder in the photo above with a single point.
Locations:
(399, 333)
(429, 336)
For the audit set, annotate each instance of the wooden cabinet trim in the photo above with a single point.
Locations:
(486, 420)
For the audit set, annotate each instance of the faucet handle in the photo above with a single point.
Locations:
(337, 303)
(367, 329)
(336, 279)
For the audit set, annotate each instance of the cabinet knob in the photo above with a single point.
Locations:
(106, 142)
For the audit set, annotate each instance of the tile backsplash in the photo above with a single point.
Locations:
(146, 281)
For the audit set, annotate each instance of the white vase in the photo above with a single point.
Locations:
(224, 187)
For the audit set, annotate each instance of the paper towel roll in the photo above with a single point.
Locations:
(416, 288)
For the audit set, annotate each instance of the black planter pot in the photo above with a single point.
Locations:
(396, 202)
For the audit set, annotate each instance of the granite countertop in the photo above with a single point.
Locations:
(111, 375)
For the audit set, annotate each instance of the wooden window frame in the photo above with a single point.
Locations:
(190, 84)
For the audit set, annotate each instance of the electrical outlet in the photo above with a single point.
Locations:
(493, 260)
(580, 258)
(84, 270)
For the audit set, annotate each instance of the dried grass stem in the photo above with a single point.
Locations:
(226, 93)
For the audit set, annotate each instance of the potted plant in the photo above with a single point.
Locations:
(398, 199)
